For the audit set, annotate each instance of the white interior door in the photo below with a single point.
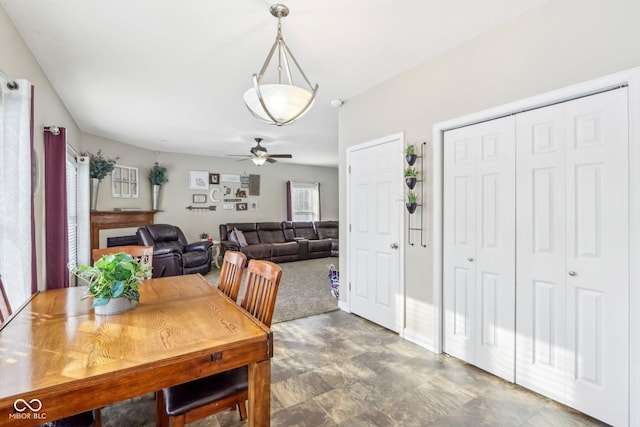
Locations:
(479, 245)
(541, 247)
(573, 263)
(375, 220)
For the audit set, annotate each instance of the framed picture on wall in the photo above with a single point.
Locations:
(198, 180)
(253, 205)
(214, 178)
(229, 177)
(199, 198)
(241, 206)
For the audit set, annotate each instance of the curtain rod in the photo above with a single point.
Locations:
(11, 84)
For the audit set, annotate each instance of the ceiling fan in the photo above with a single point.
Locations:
(259, 154)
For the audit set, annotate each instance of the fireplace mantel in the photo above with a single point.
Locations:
(102, 220)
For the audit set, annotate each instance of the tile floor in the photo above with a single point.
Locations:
(338, 369)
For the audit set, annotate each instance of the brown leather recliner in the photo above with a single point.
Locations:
(172, 254)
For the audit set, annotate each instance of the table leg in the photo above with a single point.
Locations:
(260, 393)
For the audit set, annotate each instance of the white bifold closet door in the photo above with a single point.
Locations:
(479, 245)
(573, 254)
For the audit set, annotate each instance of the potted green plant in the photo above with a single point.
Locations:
(113, 282)
(157, 177)
(204, 236)
(99, 167)
(410, 154)
(412, 202)
(410, 175)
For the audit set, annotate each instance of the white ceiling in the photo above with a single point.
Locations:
(169, 75)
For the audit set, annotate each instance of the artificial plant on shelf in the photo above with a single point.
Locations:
(157, 177)
(412, 202)
(113, 276)
(99, 167)
(410, 175)
(410, 154)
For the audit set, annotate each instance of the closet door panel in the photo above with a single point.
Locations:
(540, 300)
(479, 260)
(597, 256)
(459, 244)
(572, 245)
(495, 250)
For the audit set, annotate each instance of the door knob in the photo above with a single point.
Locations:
(470, 259)
(394, 246)
(572, 273)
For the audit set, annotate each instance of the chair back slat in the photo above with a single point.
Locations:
(261, 289)
(144, 254)
(5, 307)
(231, 273)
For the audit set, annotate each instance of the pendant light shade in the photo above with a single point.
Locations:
(285, 102)
(282, 102)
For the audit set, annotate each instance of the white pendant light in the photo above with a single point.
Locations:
(280, 103)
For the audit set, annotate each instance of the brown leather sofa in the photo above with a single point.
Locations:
(172, 254)
(282, 241)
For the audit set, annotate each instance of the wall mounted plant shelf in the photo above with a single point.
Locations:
(414, 178)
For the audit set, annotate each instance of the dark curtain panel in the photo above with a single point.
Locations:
(34, 259)
(289, 214)
(55, 187)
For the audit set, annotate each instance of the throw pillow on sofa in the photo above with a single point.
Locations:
(238, 238)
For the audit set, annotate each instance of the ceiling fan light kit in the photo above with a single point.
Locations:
(280, 103)
(258, 161)
(259, 155)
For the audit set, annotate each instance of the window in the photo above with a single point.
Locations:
(303, 201)
(124, 180)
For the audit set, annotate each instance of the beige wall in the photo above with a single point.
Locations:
(560, 43)
(18, 62)
(176, 195)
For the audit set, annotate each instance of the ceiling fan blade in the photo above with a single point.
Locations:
(271, 160)
(242, 160)
(239, 155)
(279, 156)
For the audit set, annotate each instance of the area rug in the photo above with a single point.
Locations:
(305, 289)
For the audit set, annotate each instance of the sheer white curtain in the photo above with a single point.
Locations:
(15, 192)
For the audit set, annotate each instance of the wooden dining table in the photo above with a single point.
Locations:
(57, 358)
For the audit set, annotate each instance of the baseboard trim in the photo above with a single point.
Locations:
(344, 306)
(419, 339)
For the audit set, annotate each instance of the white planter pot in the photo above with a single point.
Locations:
(115, 306)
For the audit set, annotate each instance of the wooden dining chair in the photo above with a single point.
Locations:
(186, 403)
(85, 419)
(5, 307)
(231, 273)
(143, 254)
